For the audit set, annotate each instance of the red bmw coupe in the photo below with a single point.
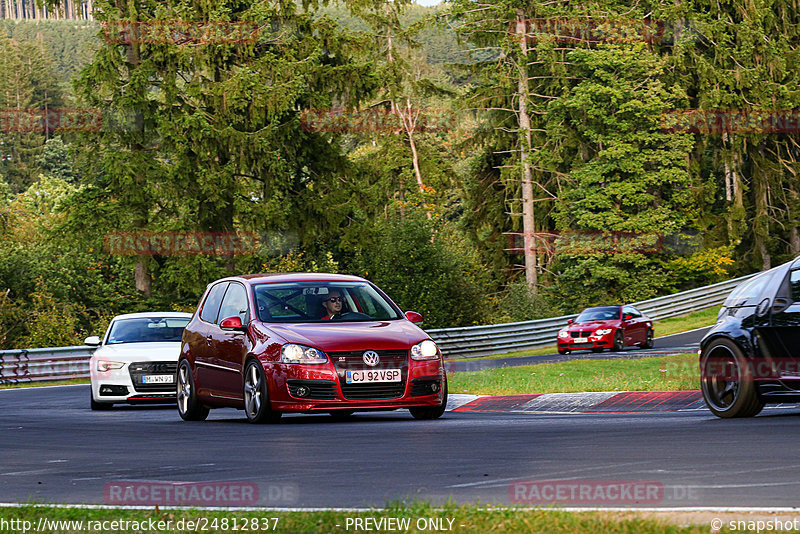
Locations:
(306, 343)
(606, 327)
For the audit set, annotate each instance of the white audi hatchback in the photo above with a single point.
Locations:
(137, 359)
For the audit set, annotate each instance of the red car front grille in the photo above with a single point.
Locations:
(353, 360)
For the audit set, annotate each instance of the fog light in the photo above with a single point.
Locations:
(434, 387)
(302, 391)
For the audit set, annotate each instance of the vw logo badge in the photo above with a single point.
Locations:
(371, 358)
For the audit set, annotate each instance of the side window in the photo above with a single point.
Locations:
(794, 284)
(213, 300)
(234, 303)
(633, 311)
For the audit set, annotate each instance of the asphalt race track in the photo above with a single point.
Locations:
(53, 448)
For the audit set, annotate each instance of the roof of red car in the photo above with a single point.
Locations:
(296, 277)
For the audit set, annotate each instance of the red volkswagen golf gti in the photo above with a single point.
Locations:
(306, 343)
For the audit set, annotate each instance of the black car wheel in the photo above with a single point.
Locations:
(619, 341)
(726, 379)
(256, 397)
(564, 351)
(99, 405)
(189, 408)
(431, 412)
(648, 342)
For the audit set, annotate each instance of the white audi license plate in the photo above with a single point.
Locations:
(378, 375)
(581, 340)
(158, 379)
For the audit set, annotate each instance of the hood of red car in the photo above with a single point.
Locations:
(376, 335)
(593, 325)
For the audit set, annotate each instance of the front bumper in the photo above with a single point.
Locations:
(128, 384)
(606, 341)
(307, 388)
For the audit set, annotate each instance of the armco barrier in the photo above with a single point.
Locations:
(55, 363)
(62, 363)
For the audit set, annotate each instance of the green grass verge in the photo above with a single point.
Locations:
(48, 383)
(664, 373)
(421, 518)
(664, 327)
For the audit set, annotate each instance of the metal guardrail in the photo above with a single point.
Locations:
(509, 337)
(54, 363)
(63, 363)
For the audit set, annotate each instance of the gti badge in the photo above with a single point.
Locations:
(371, 358)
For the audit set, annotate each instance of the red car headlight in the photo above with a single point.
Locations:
(425, 350)
(293, 353)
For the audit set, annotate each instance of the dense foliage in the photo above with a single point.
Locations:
(457, 126)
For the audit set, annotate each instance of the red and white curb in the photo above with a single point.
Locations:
(572, 403)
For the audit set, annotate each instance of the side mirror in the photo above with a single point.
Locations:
(92, 340)
(232, 323)
(414, 317)
(570, 321)
(628, 317)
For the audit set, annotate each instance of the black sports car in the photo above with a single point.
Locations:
(751, 357)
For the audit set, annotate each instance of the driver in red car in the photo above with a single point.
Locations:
(332, 304)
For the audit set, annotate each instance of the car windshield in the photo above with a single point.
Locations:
(598, 314)
(147, 330)
(304, 302)
(748, 290)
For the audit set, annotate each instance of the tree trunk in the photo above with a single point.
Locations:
(794, 206)
(528, 222)
(142, 276)
(761, 219)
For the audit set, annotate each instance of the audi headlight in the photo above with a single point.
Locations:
(563, 333)
(105, 365)
(425, 350)
(603, 331)
(293, 353)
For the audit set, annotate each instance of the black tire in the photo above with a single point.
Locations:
(256, 397)
(98, 406)
(648, 342)
(619, 342)
(597, 349)
(431, 412)
(189, 408)
(726, 379)
(564, 351)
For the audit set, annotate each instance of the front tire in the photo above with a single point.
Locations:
(189, 408)
(648, 342)
(619, 342)
(431, 412)
(564, 351)
(98, 406)
(256, 398)
(726, 379)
